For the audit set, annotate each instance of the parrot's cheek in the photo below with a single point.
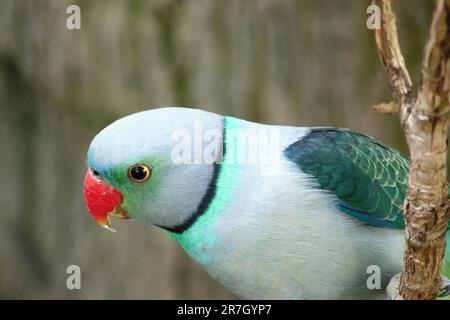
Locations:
(102, 200)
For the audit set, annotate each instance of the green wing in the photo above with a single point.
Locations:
(368, 178)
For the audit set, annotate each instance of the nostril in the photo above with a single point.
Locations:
(95, 173)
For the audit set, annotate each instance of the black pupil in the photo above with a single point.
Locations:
(96, 173)
(138, 173)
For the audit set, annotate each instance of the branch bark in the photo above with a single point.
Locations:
(424, 120)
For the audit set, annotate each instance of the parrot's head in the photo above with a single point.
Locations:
(143, 167)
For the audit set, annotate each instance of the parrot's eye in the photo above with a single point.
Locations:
(139, 173)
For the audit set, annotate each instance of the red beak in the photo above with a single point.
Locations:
(102, 200)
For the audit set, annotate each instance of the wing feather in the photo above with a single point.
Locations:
(368, 178)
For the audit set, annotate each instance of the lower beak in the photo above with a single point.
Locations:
(120, 213)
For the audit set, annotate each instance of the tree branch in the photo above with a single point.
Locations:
(391, 55)
(436, 67)
(425, 123)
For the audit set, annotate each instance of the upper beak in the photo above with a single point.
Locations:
(106, 223)
(102, 200)
(118, 213)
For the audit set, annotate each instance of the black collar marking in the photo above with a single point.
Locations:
(207, 197)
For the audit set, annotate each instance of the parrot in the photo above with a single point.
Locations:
(268, 211)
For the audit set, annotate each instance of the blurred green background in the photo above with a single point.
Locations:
(301, 63)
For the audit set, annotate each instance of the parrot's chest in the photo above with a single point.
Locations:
(285, 239)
